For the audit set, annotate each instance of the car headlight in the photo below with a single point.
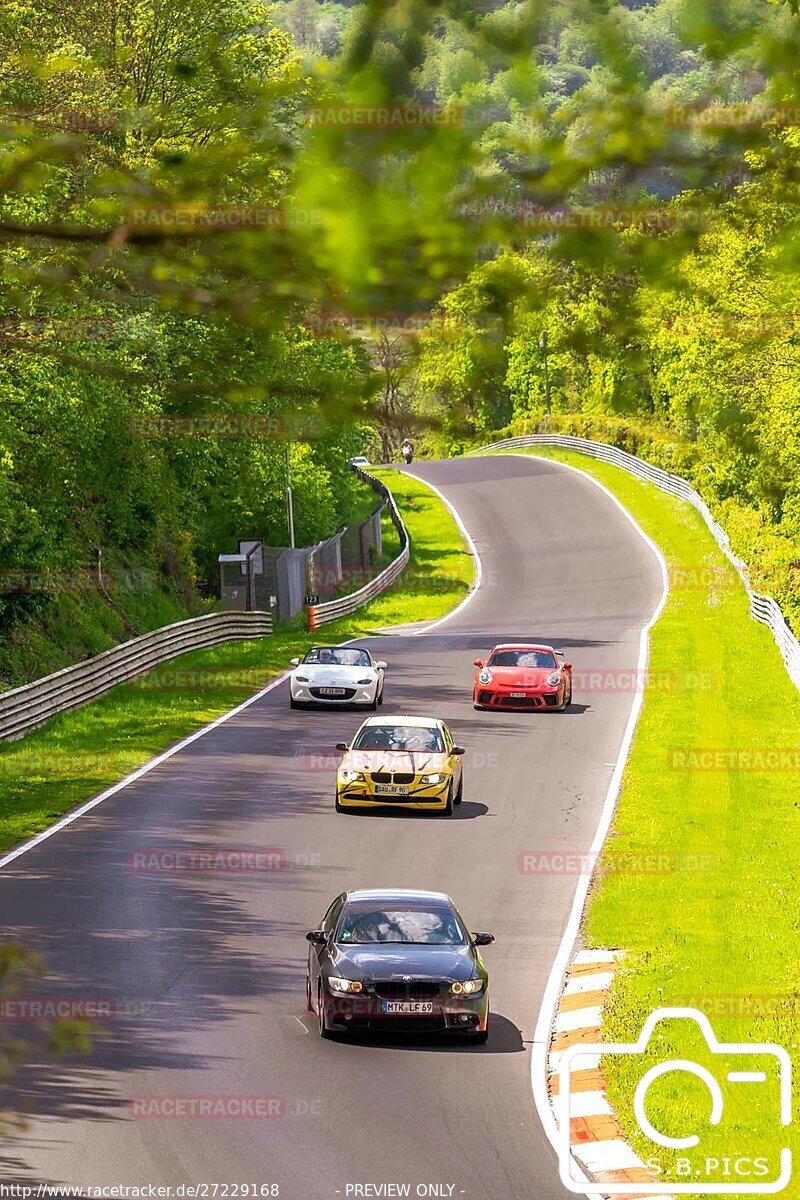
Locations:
(468, 988)
(361, 682)
(436, 777)
(344, 985)
(348, 776)
(485, 675)
(301, 679)
(553, 679)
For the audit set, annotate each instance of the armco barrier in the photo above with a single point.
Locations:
(24, 708)
(343, 606)
(762, 608)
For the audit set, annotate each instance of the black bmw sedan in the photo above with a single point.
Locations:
(397, 960)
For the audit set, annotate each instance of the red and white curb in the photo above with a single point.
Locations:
(596, 1139)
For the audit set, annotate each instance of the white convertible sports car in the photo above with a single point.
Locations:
(336, 675)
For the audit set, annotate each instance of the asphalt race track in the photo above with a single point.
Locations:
(206, 971)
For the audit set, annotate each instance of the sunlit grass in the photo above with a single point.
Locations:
(717, 929)
(76, 755)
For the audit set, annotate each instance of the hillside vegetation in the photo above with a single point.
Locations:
(182, 239)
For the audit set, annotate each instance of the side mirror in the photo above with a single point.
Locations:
(295, 662)
(342, 746)
(481, 939)
(381, 665)
(478, 662)
(317, 937)
(459, 750)
(567, 666)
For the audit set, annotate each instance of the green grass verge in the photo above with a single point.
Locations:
(78, 754)
(715, 926)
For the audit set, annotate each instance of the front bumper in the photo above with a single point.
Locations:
(454, 1014)
(488, 697)
(308, 693)
(360, 795)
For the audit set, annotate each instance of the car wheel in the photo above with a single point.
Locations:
(324, 1032)
(481, 1037)
(373, 706)
(309, 1005)
(339, 806)
(448, 808)
(295, 703)
(460, 792)
(380, 698)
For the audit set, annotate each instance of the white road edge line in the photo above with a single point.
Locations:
(552, 992)
(476, 558)
(152, 763)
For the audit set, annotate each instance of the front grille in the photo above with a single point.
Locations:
(485, 697)
(433, 1024)
(414, 989)
(386, 777)
(381, 777)
(345, 694)
(520, 701)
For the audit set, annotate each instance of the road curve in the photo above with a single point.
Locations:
(207, 971)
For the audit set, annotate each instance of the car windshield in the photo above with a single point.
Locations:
(400, 737)
(411, 926)
(523, 658)
(337, 656)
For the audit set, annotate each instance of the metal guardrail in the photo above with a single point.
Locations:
(762, 608)
(343, 606)
(26, 707)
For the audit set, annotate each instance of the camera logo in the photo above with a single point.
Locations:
(735, 1086)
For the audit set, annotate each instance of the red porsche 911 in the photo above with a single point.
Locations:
(520, 676)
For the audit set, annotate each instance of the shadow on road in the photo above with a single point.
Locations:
(466, 811)
(504, 1038)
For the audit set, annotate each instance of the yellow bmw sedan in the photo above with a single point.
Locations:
(408, 761)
